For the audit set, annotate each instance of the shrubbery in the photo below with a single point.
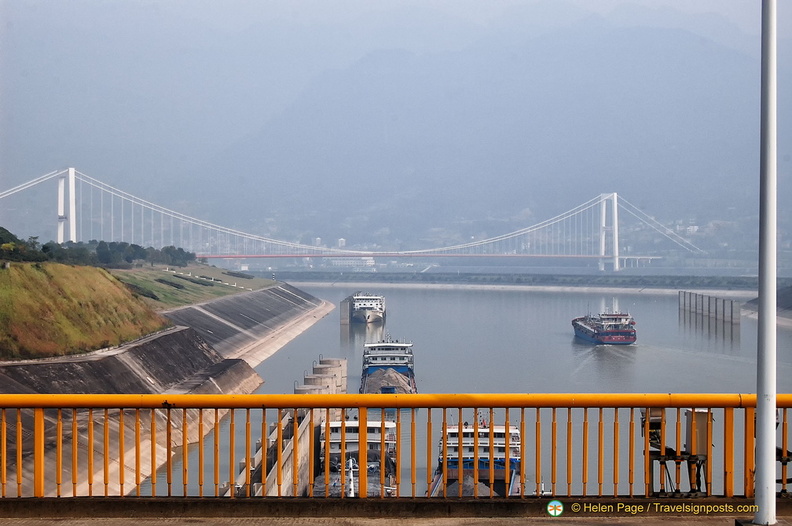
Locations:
(94, 253)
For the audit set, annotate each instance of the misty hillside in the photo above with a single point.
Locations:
(518, 134)
(396, 123)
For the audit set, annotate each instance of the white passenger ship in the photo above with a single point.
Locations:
(351, 438)
(343, 473)
(368, 308)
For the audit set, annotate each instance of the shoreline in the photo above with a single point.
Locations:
(257, 351)
(728, 294)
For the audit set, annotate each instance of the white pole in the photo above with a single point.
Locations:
(61, 208)
(615, 230)
(352, 476)
(602, 230)
(72, 206)
(765, 484)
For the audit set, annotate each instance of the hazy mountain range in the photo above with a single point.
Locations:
(402, 125)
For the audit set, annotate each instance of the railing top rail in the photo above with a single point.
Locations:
(440, 400)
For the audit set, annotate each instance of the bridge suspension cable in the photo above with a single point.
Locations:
(659, 227)
(97, 210)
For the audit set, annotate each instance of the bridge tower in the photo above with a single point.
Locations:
(71, 217)
(605, 229)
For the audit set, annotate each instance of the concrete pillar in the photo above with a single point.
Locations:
(332, 371)
(339, 368)
(308, 389)
(325, 381)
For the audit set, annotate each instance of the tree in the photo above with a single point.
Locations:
(103, 254)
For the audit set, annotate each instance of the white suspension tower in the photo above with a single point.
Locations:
(72, 215)
(613, 228)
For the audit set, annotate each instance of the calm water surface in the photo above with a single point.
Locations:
(489, 341)
(475, 340)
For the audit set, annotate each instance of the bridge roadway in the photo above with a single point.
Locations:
(181, 511)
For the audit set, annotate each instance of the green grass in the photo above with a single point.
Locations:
(49, 309)
(200, 283)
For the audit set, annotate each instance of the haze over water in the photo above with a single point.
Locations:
(480, 341)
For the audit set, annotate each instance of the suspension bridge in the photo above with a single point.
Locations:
(89, 209)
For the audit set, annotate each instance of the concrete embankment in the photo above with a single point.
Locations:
(212, 350)
(249, 326)
(152, 364)
(253, 325)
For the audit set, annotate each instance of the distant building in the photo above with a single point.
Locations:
(360, 264)
(318, 242)
(341, 242)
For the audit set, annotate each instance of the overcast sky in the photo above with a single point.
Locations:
(422, 100)
(744, 13)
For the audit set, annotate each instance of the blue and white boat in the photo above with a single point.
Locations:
(497, 445)
(388, 367)
(482, 446)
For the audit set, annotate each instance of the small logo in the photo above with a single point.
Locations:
(555, 508)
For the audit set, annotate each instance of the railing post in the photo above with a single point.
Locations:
(616, 438)
(295, 454)
(648, 478)
(413, 453)
(585, 446)
(38, 452)
(363, 452)
(569, 457)
(554, 454)
(538, 452)
(728, 452)
(748, 453)
(444, 465)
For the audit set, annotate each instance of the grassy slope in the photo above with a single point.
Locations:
(196, 287)
(50, 309)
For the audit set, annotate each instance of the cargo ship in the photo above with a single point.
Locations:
(368, 308)
(606, 328)
(485, 455)
(388, 367)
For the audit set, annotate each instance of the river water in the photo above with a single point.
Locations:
(503, 340)
(520, 340)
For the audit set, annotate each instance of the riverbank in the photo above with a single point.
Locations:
(721, 293)
(259, 350)
(617, 280)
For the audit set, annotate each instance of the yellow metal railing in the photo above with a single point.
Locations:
(507, 445)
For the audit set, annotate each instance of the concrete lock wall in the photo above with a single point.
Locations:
(265, 458)
(177, 360)
(345, 312)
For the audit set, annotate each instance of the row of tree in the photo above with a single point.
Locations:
(93, 253)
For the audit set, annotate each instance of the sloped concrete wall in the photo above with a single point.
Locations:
(178, 360)
(150, 365)
(205, 335)
(230, 323)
